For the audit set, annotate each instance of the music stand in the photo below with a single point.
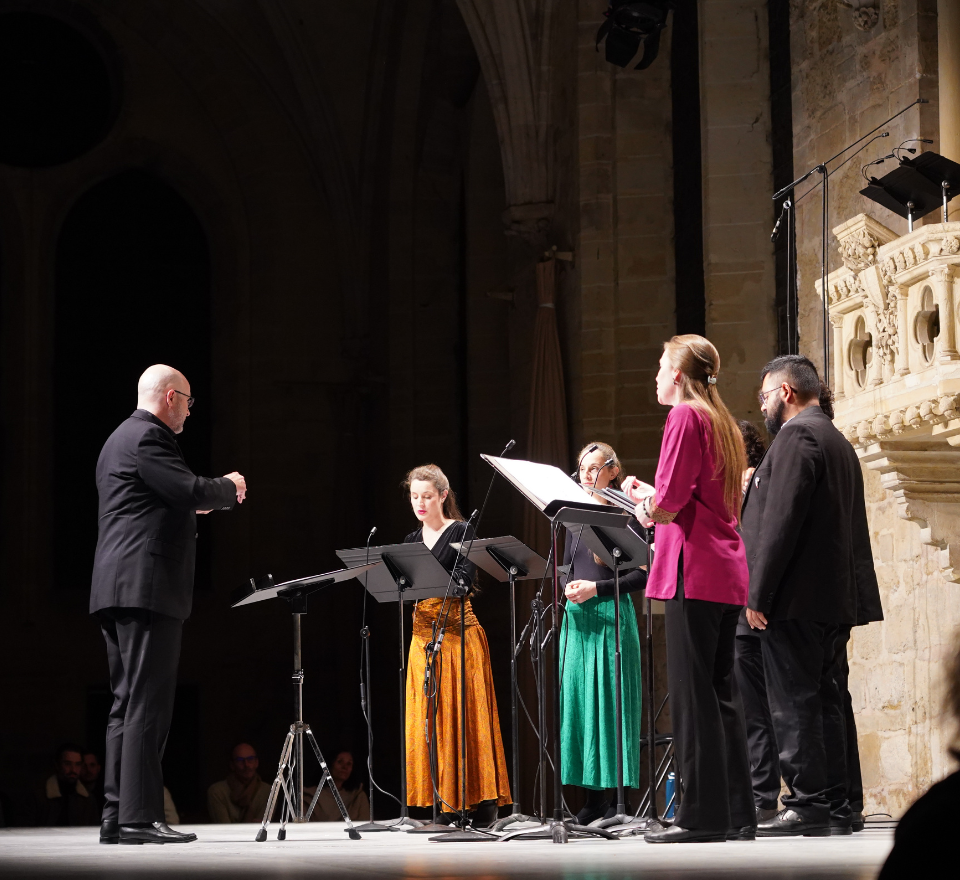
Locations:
(905, 192)
(620, 549)
(509, 560)
(560, 499)
(289, 777)
(410, 572)
(942, 172)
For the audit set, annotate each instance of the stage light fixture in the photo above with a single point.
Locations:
(630, 23)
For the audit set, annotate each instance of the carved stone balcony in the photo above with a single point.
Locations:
(896, 368)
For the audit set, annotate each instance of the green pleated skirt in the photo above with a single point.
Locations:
(588, 719)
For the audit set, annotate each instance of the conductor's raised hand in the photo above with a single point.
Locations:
(241, 485)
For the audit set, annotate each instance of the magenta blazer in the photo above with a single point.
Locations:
(714, 561)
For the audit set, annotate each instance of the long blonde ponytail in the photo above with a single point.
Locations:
(698, 361)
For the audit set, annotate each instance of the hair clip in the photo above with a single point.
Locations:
(711, 380)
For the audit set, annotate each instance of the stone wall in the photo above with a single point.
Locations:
(846, 81)
(737, 184)
(896, 667)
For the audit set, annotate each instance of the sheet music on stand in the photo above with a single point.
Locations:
(541, 484)
(620, 499)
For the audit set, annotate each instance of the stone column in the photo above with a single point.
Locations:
(837, 352)
(948, 331)
(903, 333)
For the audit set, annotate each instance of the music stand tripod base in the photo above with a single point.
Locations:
(289, 778)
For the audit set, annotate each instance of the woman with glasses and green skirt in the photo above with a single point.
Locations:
(588, 717)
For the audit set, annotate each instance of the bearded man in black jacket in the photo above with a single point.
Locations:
(142, 592)
(805, 531)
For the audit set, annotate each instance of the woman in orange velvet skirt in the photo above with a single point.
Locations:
(487, 786)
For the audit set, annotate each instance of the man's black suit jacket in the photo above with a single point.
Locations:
(148, 523)
(804, 526)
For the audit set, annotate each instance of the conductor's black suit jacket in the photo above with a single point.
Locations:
(804, 526)
(148, 523)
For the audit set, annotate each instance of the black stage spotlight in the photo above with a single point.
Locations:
(630, 22)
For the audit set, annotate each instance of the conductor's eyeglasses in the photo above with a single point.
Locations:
(246, 759)
(190, 399)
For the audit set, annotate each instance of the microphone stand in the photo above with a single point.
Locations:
(366, 704)
(824, 173)
(466, 833)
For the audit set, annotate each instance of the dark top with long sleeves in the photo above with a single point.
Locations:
(585, 568)
(446, 555)
(148, 524)
(805, 528)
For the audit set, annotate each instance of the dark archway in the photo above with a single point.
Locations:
(59, 90)
(132, 289)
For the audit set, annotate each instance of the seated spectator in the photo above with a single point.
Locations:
(351, 792)
(242, 796)
(92, 777)
(170, 814)
(927, 828)
(64, 800)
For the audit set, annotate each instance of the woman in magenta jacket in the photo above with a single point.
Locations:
(700, 569)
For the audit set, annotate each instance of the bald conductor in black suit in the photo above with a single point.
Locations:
(142, 592)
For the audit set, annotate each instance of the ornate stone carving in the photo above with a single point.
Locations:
(902, 411)
(859, 250)
(865, 13)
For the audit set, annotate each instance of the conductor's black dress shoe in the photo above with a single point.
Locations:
(109, 832)
(676, 834)
(789, 823)
(156, 832)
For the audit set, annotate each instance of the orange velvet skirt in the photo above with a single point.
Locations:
(486, 766)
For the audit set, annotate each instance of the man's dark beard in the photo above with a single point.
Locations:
(774, 420)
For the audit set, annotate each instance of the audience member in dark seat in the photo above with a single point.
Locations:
(64, 800)
(242, 796)
(91, 776)
(926, 835)
(351, 792)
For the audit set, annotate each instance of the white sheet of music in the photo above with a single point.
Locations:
(541, 483)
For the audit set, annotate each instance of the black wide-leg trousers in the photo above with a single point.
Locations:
(800, 662)
(143, 652)
(707, 719)
(761, 737)
(854, 776)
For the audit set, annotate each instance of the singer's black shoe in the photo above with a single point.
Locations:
(484, 815)
(766, 815)
(676, 834)
(590, 813)
(447, 818)
(109, 832)
(612, 810)
(156, 832)
(747, 832)
(857, 822)
(789, 823)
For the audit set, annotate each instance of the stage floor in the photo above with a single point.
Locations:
(323, 850)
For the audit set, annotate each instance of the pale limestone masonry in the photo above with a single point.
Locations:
(896, 373)
(737, 183)
(625, 250)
